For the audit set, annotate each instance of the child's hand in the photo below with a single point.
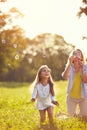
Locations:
(55, 103)
(33, 100)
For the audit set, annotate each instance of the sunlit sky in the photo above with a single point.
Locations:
(52, 16)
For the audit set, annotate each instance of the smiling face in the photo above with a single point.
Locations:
(78, 54)
(77, 58)
(44, 73)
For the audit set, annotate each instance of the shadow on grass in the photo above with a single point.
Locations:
(46, 127)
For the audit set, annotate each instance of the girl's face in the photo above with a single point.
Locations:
(45, 73)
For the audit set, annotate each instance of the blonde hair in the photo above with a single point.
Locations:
(79, 50)
(38, 78)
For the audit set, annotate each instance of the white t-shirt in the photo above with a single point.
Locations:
(43, 95)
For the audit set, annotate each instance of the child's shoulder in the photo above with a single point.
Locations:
(37, 85)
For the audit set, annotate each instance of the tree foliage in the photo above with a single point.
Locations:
(12, 41)
(20, 57)
(47, 49)
(83, 10)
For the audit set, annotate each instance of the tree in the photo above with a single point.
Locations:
(12, 41)
(20, 57)
(3, 0)
(47, 49)
(83, 10)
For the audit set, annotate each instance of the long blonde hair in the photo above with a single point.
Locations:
(38, 78)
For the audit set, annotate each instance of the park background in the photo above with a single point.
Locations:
(33, 33)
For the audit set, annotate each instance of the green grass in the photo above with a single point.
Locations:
(18, 113)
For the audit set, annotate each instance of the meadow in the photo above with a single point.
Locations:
(18, 113)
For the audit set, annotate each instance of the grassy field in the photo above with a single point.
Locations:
(18, 113)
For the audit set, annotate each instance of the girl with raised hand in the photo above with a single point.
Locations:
(44, 93)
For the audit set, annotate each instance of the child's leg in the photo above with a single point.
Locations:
(50, 114)
(42, 116)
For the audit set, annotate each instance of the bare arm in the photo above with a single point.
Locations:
(34, 95)
(53, 96)
(65, 74)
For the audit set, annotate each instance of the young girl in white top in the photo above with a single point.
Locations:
(44, 93)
